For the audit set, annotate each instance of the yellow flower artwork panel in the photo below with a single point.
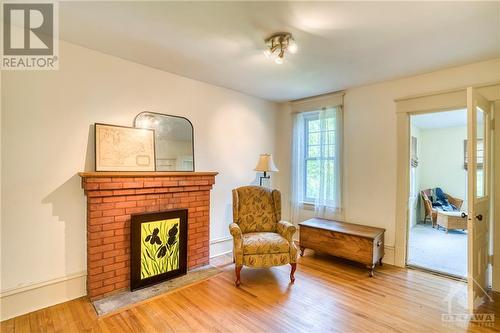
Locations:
(159, 247)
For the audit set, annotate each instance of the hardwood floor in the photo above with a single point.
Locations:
(328, 296)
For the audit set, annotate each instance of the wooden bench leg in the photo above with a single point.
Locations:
(372, 270)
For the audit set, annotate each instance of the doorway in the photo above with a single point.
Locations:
(437, 219)
(480, 157)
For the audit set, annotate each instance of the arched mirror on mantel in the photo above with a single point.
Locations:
(174, 140)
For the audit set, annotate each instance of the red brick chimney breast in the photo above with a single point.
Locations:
(113, 196)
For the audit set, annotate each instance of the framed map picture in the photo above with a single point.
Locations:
(120, 148)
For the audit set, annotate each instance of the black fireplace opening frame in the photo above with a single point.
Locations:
(135, 247)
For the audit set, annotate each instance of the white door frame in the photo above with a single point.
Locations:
(440, 102)
(405, 107)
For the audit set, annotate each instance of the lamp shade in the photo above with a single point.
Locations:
(266, 163)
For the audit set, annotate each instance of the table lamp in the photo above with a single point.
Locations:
(265, 164)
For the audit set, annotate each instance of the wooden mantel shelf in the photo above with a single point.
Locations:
(137, 174)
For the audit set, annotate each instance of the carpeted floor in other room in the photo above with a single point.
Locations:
(437, 250)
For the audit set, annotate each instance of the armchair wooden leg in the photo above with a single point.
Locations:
(292, 272)
(237, 270)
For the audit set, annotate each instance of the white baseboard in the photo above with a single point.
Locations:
(220, 246)
(388, 253)
(221, 240)
(221, 254)
(19, 301)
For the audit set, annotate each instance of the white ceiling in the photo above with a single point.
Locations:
(341, 44)
(440, 119)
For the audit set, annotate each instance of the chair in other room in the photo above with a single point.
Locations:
(431, 208)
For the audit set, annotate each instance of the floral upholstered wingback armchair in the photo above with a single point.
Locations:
(260, 238)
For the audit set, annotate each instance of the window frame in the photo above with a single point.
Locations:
(308, 117)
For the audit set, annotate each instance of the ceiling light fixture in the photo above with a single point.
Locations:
(277, 44)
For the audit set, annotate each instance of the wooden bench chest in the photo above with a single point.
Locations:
(345, 240)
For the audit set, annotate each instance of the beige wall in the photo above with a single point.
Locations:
(441, 164)
(442, 160)
(370, 142)
(46, 140)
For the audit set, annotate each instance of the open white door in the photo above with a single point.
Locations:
(478, 195)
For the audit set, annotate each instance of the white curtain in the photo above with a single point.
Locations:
(298, 168)
(316, 163)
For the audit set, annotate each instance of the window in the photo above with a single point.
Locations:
(480, 154)
(316, 175)
(319, 156)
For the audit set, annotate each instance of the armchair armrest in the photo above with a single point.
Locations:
(286, 229)
(235, 231)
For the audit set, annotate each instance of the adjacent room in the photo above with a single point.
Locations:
(250, 166)
(438, 206)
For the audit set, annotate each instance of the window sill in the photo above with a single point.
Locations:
(307, 206)
(312, 207)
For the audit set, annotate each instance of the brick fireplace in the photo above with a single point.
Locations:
(111, 199)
